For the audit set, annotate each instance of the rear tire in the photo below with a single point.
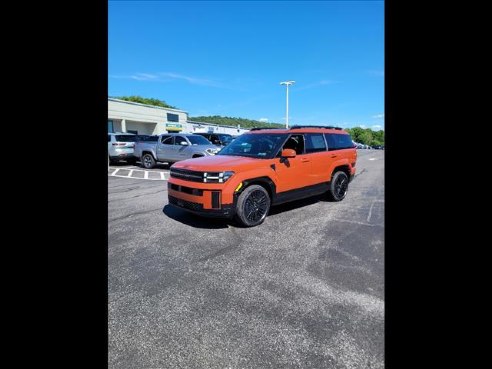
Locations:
(148, 161)
(252, 206)
(338, 186)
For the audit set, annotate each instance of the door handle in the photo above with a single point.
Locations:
(334, 156)
(304, 160)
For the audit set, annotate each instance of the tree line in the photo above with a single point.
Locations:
(147, 101)
(364, 136)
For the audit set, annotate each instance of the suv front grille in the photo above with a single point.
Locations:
(185, 204)
(187, 175)
(188, 190)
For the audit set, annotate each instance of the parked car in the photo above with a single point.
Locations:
(120, 147)
(262, 168)
(219, 139)
(173, 147)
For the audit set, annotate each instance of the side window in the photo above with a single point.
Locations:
(331, 141)
(338, 141)
(296, 143)
(179, 139)
(167, 140)
(315, 142)
(109, 138)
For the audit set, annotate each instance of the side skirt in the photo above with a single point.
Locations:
(301, 193)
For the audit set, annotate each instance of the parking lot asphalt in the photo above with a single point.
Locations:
(303, 290)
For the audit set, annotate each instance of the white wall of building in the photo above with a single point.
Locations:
(153, 120)
(143, 118)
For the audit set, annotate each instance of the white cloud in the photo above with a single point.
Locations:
(265, 120)
(362, 126)
(144, 77)
(376, 127)
(378, 116)
(168, 76)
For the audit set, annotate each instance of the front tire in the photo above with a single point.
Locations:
(338, 186)
(252, 206)
(148, 161)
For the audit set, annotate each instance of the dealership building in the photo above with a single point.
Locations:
(131, 117)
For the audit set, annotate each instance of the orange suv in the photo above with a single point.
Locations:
(265, 167)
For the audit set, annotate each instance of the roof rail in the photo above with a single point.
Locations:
(260, 128)
(329, 127)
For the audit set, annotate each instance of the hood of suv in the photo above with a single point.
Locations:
(220, 163)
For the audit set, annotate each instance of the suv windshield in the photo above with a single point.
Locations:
(263, 146)
(125, 138)
(198, 140)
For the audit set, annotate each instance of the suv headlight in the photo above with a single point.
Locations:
(217, 177)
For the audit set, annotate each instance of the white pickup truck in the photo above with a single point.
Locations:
(173, 147)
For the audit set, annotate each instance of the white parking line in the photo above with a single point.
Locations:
(148, 179)
(163, 176)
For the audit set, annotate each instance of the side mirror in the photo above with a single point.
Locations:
(184, 143)
(288, 153)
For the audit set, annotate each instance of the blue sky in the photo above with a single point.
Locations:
(228, 58)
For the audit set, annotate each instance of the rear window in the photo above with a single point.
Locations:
(225, 139)
(150, 138)
(338, 141)
(125, 138)
(198, 140)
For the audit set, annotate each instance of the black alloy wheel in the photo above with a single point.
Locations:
(252, 206)
(338, 186)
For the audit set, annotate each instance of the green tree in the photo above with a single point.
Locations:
(147, 101)
(233, 121)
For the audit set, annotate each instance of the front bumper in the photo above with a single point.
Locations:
(199, 199)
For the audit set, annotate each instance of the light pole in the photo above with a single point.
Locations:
(287, 84)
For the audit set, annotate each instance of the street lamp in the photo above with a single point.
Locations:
(287, 84)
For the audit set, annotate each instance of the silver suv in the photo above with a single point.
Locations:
(120, 147)
(173, 147)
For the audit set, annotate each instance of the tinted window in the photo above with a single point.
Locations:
(225, 139)
(125, 138)
(167, 140)
(315, 142)
(151, 138)
(198, 140)
(109, 138)
(179, 139)
(338, 141)
(172, 117)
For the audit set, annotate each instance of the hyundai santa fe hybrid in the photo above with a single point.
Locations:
(265, 167)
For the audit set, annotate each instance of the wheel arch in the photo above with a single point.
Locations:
(343, 168)
(265, 182)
